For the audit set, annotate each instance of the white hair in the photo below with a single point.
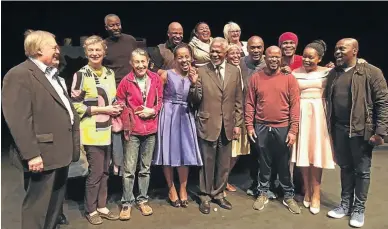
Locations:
(223, 41)
(35, 40)
(234, 46)
(228, 27)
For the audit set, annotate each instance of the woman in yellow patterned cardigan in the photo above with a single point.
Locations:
(93, 95)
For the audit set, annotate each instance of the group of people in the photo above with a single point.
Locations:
(202, 104)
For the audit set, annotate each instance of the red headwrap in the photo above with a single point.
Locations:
(288, 36)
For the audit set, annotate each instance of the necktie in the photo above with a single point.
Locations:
(218, 72)
(48, 70)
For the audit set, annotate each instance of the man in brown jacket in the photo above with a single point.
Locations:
(218, 95)
(45, 128)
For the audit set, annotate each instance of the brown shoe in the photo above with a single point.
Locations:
(94, 219)
(145, 209)
(125, 213)
(109, 216)
(230, 188)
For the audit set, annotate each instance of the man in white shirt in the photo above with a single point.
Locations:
(45, 128)
(217, 92)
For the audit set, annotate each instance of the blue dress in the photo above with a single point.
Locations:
(177, 142)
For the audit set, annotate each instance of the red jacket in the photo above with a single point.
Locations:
(129, 93)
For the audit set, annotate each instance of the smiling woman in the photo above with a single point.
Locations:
(93, 93)
(200, 43)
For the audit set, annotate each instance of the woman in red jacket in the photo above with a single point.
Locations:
(141, 91)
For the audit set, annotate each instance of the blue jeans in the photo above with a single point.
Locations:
(142, 146)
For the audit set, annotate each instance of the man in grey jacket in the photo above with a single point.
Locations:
(357, 113)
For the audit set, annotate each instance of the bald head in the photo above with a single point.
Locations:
(273, 59)
(255, 39)
(350, 42)
(174, 26)
(175, 33)
(272, 49)
(345, 53)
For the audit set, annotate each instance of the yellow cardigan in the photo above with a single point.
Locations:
(94, 90)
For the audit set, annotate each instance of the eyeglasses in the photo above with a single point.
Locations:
(234, 31)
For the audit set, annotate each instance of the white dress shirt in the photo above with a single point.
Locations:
(56, 86)
(222, 69)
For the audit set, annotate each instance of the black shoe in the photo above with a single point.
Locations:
(204, 207)
(62, 220)
(175, 204)
(224, 203)
(184, 203)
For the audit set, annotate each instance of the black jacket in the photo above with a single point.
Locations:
(369, 112)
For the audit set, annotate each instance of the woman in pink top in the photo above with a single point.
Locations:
(313, 150)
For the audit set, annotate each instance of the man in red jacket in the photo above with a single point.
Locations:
(276, 126)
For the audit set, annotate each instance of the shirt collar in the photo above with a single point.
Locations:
(222, 65)
(44, 67)
(347, 69)
(252, 65)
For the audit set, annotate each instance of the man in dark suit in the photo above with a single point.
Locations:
(44, 126)
(217, 93)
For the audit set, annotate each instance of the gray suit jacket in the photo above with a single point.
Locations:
(217, 104)
(37, 118)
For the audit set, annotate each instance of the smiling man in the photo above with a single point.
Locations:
(162, 57)
(218, 95)
(288, 42)
(357, 114)
(272, 120)
(120, 47)
(44, 126)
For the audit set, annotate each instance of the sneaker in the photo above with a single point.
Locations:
(125, 213)
(271, 195)
(260, 202)
(357, 219)
(252, 191)
(338, 212)
(292, 205)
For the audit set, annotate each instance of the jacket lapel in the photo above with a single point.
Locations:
(212, 73)
(40, 76)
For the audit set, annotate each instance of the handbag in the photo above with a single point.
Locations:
(117, 124)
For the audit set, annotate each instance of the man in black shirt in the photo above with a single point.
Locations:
(357, 113)
(120, 47)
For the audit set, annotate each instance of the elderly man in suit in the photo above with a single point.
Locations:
(44, 126)
(216, 92)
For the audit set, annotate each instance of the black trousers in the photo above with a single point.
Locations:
(354, 156)
(254, 164)
(43, 202)
(272, 146)
(254, 171)
(214, 173)
(27, 176)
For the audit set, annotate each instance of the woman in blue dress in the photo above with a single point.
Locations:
(177, 144)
